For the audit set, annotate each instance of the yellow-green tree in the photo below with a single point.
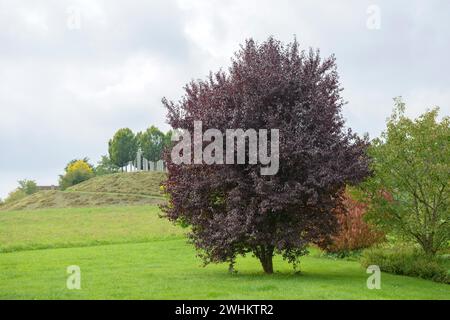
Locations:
(76, 171)
(409, 189)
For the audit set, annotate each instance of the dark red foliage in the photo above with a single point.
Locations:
(233, 209)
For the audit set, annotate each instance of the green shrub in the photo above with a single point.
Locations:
(105, 166)
(28, 186)
(407, 261)
(14, 196)
(74, 177)
(350, 255)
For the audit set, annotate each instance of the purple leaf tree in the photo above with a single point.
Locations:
(232, 209)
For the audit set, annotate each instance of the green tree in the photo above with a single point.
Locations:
(152, 142)
(28, 186)
(105, 166)
(122, 147)
(168, 139)
(409, 189)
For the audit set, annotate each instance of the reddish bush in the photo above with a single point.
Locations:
(353, 232)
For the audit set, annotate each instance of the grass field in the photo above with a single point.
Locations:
(129, 252)
(79, 227)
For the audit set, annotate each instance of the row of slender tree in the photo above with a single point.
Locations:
(125, 143)
(123, 148)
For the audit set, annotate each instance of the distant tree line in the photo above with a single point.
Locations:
(124, 145)
(122, 148)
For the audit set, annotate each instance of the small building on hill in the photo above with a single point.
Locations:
(46, 188)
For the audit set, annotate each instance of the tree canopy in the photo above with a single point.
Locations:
(233, 209)
(76, 171)
(409, 190)
(123, 147)
(105, 166)
(28, 186)
(152, 142)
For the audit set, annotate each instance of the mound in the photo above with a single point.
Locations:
(136, 188)
(66, 199)
(140, 183)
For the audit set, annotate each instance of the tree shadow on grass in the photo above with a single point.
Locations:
(305, 275)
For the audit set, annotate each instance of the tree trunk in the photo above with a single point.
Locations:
(428, 246)
(265, 255)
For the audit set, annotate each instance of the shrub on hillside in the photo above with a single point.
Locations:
(15, 195)
(105, 166)
(353, 233)
(26, 188)
(408, 262)
(76, 171)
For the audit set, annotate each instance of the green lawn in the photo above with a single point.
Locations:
(166, 269)
(151, 260)
(75, 227)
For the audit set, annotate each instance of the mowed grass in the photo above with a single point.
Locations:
(138, 183)
(79, 199)
(169, 270)
(131, 253)
(56, 228)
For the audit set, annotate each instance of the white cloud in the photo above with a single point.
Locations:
(35, 21)
(64, 92)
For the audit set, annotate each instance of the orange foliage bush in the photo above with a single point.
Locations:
(353, 232)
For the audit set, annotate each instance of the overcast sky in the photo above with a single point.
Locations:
(73, 72)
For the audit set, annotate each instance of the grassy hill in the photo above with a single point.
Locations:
(137, 183)
(137, 188)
